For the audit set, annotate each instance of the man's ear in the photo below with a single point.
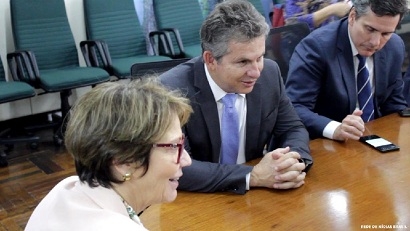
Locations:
(351, 16)
(209, 60)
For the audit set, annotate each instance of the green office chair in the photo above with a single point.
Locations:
(9, 92)
(46, 56)
(114, 31)
(183, 20)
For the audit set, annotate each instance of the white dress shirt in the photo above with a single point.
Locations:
(240, 105)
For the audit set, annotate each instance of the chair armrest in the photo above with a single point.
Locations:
(177, 37)
(23, 67)
(96, 54)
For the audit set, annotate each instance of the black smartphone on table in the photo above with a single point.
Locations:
(378, 143)
(405, 112)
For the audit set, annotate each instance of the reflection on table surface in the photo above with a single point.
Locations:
(349, 186)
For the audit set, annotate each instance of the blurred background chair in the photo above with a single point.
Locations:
(46, 54)
(277, 17)
(116, 39)
(183, 20)
(9, 92)
(281, 43)
(155, 68)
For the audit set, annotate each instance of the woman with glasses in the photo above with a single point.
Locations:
(127, 144)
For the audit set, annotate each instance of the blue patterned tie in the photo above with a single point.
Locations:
(229, 130)
(364, 90)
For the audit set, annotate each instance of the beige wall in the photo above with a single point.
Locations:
(42, 102)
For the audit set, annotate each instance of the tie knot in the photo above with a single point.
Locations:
(229, 100)
(362, 60)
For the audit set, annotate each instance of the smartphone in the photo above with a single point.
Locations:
(405, 112)
(378, 143)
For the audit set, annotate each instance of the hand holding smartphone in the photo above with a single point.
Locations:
(378, 143)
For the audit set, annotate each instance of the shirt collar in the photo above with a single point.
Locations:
(354, 50)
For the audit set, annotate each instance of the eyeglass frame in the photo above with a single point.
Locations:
(180, 146)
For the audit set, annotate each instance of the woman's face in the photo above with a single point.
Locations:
(161, 179)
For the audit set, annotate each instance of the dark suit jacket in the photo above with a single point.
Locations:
(321, 80)
(406, 88)
(269, 113)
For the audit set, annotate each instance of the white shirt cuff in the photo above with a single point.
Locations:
(248, 177)
(330, 129)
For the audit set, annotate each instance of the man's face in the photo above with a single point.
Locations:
(238, 70)
(370, 33)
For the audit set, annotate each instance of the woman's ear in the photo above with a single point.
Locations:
(120, 171)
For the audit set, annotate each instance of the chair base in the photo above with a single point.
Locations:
(3, 160)
(9, 143)
(54, 122)
(22, 130)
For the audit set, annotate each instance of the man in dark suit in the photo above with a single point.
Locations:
(324, 67)
(233, 41)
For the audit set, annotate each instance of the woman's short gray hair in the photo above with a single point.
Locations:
(121, 121)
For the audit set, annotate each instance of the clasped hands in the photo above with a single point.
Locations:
(279, 169)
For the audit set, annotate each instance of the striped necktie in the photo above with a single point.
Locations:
(364, 90)
(229, 130)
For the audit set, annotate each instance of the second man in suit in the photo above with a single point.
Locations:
(324, 79)
(233, 42)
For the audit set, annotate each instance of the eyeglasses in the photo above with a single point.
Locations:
(180, 147)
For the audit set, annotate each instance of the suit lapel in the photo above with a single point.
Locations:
(207, 105)
(345, 62)
(379, 77)
(253, 119)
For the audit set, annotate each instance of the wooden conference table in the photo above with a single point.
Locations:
(349, 186)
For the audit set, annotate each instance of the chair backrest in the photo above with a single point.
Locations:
(184, 15)
(115, 22)
(2, 74)
(157, 68)
(13, 90)
(42, 27)
(281, 43)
